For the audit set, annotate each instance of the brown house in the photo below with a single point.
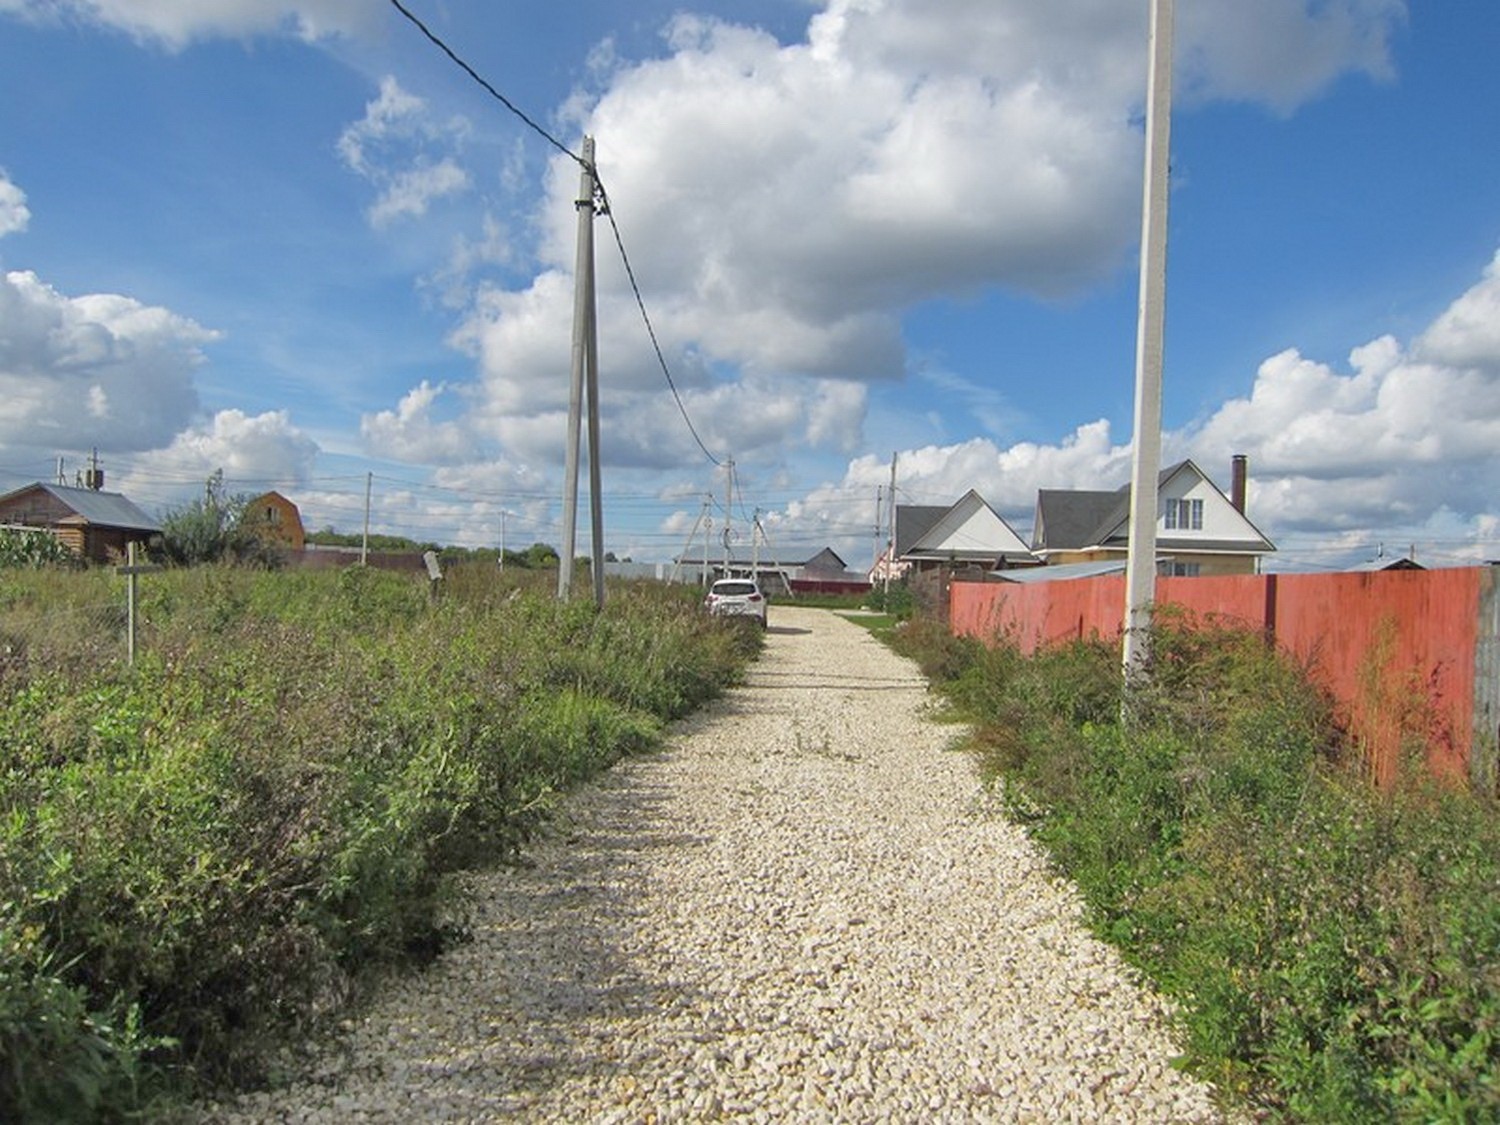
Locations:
(96, 525)
(275, 520)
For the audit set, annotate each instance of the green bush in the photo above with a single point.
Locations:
(203, 852)
(25, 548)
(1332, 949)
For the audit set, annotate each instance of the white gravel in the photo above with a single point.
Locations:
(804, 909)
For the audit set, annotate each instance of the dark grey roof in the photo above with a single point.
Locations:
(1068, 520)
(914, 521)
(102, 509)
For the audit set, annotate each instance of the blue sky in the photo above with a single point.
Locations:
(295, 242)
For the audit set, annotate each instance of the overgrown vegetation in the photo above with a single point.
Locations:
(31, 548)
(201, 854)
(1334, 951)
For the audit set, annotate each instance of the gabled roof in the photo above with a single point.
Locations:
(969, 529)
(1068, 520)
(101, 509)
(1078, 520)
(913, 521)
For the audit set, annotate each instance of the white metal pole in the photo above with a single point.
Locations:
(890, 555)
(364, 543)
(1140, 566)
(728, 510)
(585, 255)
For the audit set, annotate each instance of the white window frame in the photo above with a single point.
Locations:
(1184, 515)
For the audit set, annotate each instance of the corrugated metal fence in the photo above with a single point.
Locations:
(1412, 657)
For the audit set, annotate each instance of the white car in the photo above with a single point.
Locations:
(736, 597)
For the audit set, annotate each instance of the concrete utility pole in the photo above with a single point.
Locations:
(728, 510)
(890, 556)
(585, 370)
(1140, 566)
(364, 541)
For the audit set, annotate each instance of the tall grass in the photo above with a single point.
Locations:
(201, 854)
(1334, 950)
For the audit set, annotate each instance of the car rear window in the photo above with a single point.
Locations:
(734, 587)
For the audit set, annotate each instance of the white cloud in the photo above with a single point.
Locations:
(1283, 52)
(400, 149)
(409, 433)
(785, 204)
(1468, 332)
(256, 447)
(100, 369)
(1401, 449)
(14, 214)
(174, 24)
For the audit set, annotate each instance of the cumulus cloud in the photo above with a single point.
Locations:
(100, 369)
(405, 153)
(785, 204)
(174, 24)
(1468, 332)
(264, 446)
(1387, 442)
(410, 433)
(1401, 447)
(14, 214)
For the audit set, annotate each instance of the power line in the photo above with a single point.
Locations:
(496, 94)
(650, 330)
(605, 209)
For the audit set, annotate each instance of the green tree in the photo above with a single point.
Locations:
(540, 555)
(209, 529)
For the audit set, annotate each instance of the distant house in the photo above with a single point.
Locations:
(1199, 530)
(93, 524)
(275, 520)
(966, 533)
(823, 570)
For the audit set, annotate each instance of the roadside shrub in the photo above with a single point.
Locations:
(204, 852)
(1332, 948)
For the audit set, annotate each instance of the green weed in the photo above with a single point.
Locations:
(1334, 948)
(204, 853)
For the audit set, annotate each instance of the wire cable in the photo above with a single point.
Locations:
(496, 94)
(646, 317)
(605, 208)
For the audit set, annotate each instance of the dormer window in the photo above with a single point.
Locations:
(1184, 515)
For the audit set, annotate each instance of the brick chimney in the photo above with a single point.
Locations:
(1237, 468)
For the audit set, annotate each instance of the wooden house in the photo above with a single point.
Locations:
(92, 523)
(275, 521)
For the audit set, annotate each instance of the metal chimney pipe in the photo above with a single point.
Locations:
(1237, 470)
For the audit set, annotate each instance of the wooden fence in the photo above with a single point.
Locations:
(1410, 657)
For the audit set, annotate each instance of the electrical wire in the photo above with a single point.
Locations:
(494, 93)
(606, 209)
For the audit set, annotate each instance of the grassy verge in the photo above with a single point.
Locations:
(1334, 951)
(201, 854)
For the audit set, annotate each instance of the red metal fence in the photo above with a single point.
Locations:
(1407, 655)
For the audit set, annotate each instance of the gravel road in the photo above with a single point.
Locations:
(803, 909)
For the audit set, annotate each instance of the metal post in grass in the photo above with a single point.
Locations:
(131, 570)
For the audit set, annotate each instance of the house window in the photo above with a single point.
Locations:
(273, 514)
(1185, 570)
(1184, 515)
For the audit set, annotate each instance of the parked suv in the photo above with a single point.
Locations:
(736, 597)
